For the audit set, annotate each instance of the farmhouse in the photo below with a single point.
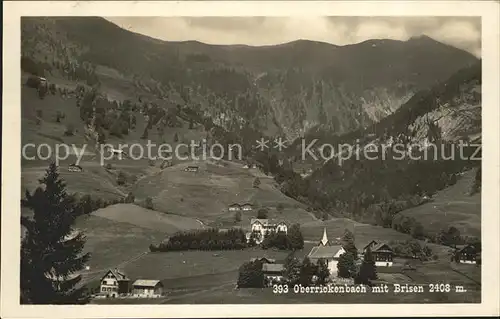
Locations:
(468, 254)
(75, 168)
(234, 207)
(330, 253)
(114, 283)
(191, 169)
(273, 273)
(146, 288)
(382, 254)
(247, 207)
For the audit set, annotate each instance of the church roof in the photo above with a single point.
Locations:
(324, 240)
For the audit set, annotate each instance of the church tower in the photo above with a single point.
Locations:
(324, 241)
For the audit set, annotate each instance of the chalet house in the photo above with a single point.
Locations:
(273, 273)
(382, 254)
(262, 227)
(328, 252)
(145, 288)
(246, 166)
(75, 168)
(468, 254)
(114, 283)
(191, 169)
(247, 207)
(234, 207)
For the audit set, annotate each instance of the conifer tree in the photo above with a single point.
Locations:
(292, 269)
(322, 272)
(295, 238)
(368, 270)
(307, 271)
(51, 252)
(346, 266)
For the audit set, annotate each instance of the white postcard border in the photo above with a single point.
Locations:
(11, 147)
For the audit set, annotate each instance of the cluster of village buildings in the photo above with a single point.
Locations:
(382, 253)
(116, 284)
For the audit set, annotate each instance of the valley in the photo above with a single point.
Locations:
(181, 92)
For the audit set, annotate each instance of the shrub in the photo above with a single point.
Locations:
(256, 182)
(130, 198)
(148, 203)
(69, 130)
(52, 88)
(121, 179)
(250, 275)
(262, 213)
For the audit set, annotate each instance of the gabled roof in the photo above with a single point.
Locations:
(235, 205)
(246, 204)
(325, 252)
(476, 247)
(366, 244)
(273, 268)
(118, 274)
(382, 247)
(257, 220)
(146, 283)
(264, 260)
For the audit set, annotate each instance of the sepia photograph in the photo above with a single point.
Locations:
(260, 160)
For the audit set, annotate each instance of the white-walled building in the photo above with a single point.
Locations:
(146, 288)
(114, 283)
(328, 252)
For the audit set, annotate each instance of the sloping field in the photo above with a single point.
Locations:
(112, 243)
(206, 194)
(93, 180)
(452, 206)
(148, 219)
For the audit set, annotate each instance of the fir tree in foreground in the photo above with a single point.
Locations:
(51, 252)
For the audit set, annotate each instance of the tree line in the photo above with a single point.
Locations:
(206, 239)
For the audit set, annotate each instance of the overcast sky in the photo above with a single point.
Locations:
(461, 32)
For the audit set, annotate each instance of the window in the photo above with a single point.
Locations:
(104, 282)
(103, 288)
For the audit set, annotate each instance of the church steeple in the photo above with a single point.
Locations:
(324, 241)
